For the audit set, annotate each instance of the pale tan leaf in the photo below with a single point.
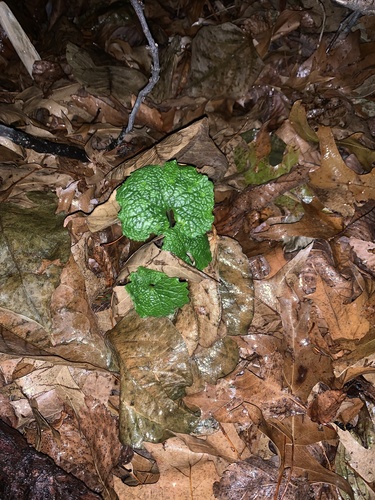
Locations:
(104, 215)
(361, 459)
(184, 474)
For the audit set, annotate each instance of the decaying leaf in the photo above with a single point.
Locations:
(217, 360)
(235, 368)
(192, 145)
(25, 472)
(120, 82)
(182, 470)
(30, 237)
(236, 288)
(324, 407)
(337, 186)
(228, 70)
(254, 477)
(345, 321)
(155, 369)
(99, 428)
(294, 455)
(361, 458)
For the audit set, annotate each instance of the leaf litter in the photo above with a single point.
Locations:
(262, 386)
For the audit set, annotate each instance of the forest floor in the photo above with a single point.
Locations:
(262, 385)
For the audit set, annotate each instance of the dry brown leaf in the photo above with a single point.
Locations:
(49, 399)
(336, 185)
(191, 145)
(314, 224)
(258, 478)
(207, 311)
(212, 399)
(151, 256)
(304, 431)
(184, 474)
(304, 366)
(365, 251)
(74, 321)
(100, 430)
(360, 359)
(345, 321)
(104, 215)
(186, 323)
(118, 81)
(283, 435)
(70, 451)
(270, 290)
(46, 392)
(324, 407)
(361, 459)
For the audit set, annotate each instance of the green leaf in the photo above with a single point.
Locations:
(155, 294)
(167, 200)
(194, 251)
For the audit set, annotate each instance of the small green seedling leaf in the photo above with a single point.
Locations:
(171, 200)
(156, 294)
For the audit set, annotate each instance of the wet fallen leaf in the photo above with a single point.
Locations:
(218, 73)
(155, 369)
(285, 311)
(27, 237)
(236, 288)
(184, 473)
(256, 476)
(120, 82)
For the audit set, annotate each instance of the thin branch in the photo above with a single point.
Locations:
(155, 71)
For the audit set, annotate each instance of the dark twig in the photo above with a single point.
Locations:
(138, 7)
(41, 145)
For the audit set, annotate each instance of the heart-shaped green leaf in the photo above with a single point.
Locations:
(171, 200)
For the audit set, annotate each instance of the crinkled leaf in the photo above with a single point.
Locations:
(155, 369)
(173, 198)
(143, 209)
(155, 294)
(33, 247)
(194, 251)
